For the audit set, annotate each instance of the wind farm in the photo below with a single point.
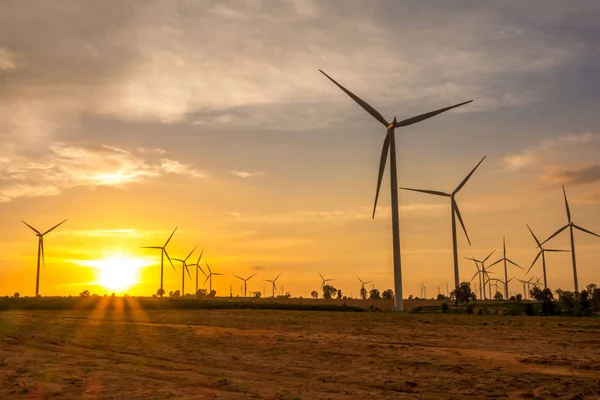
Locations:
(328, 182)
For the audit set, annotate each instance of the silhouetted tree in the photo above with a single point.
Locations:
(567, 298)
(314, 294)
(160, 292)
(339, 294)
(374, 294)
(441, 297)
(463, 293)
(388, 294)
(329, 291)
(363, 293)
(410, 297)
(17, 295)
(176, 293)
(257, 295)
(498, 296)
(201, 293)
(85, 293)
(213, 293)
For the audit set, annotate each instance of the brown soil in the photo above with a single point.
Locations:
(238, 354)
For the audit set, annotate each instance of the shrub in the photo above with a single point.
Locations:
(529, 309)
(445, 307)
(470, 309)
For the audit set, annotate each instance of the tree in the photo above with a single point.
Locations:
(213, 293)
(463, 293)
(85, 293)
(314, 294)
(257, 295)
(410, 297)
(17, 295)
(160, 292)
(339, 294)
(441, 297)
(329, 291)
(498, 296)
(388, 294)
(374, 294)
(201, 293)
(176, 293)
(363, 293)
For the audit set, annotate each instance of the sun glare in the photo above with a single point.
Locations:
(118, 272)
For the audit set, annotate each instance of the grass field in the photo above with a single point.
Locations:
(128, 353)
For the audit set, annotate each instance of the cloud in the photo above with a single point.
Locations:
(7, 59)
(585, 175)
(65, 166)
(246, 174)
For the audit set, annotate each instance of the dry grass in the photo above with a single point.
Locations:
(234, 354)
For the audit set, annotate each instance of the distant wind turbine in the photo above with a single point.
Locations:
(571, 225)
(542, 253)
(184, 269)
(455, 213)
(245, 281)
(362, 283)
(389, 146)
(273, 286)
(324, 281)
(163, 253)
(484, 272)
(505, 268)
(40, 251)
(198, 267)
(209, 276)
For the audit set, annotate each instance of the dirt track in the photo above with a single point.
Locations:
(235, 354)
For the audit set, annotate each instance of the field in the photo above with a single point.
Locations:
(128, 353)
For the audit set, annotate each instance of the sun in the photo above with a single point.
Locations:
(118, 272)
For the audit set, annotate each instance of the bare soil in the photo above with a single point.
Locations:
(129, 353)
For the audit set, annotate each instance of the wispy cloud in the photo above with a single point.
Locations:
(247, 174)
(588, 174)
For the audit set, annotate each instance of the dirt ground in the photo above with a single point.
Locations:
(239, 354)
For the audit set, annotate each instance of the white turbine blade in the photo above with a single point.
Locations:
(382, 161)
(464, 181)
(585, 230)
(433, 192)
(455, 205)
(428, 115)
(32, 228)
(556, 233)
(360, 102)
(567, 204)
(169, 239)
(55, 226)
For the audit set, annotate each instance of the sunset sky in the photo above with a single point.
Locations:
(132, 117)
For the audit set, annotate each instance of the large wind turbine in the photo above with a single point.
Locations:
(389, 146)
(272, 281)
(323, 280)
(184, 269)
(245, 281)
(209, 276)
(40, 251)
(571, 225)
(163, 252)
(198, 267)
(505, 268)
(542, 253)
(483, 270)
(455, 213)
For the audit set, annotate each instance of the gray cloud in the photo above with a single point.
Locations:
(585, 175)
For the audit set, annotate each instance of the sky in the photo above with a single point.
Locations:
(130, 118)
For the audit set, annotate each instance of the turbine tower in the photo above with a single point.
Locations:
(273, 286)
(209, 276)
(571, 225)
(198, 267)
(455, 213)
(542, 253)
(324, 281)
(184, 269)
(40, 251)
(389, 146)
(486, 274)
(362, 284)
(245, 281)
(163, 253)
(505, 268)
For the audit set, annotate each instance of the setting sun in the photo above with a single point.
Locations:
(117, 272)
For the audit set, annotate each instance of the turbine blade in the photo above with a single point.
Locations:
(496, 262)
(238, 277)
(251, 276)
(515, 264)
(558, 251)
(55, 226)
(556, 233)
(200, 256)
(168, 258)
(464, 181)
(360, 102)
(472, 259)
(382, 161)
(218, 273)
(169, 239)
(460, 220)
(534, 237)
(434, 192)
(32, 228)
(188, 256)
(360, 280)
(207, 278)
(151, 247)
(489, 255)
(428, 115)
(208, 266)
(320, 275)
(187, 270)
(201, 270)
(474, 276)
(585, 230)
(368, 282)
(277, 277)
(567, 204)
(534, 260)
(42, 248)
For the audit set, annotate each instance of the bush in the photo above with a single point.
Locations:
(470, 309)
(529, 309)
(445, 307)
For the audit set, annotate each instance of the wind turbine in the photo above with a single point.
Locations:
(542, 253)
(198, 267)
(163, 252)
(245, 281)
(184, 269)
(40, 251)
(274, 287)
(485, 273)
(323, 280)
(505, 268)
(209, 276)
(362, 283)
(571, 225)
(479, 273)
(389, 146)
(455, 213)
